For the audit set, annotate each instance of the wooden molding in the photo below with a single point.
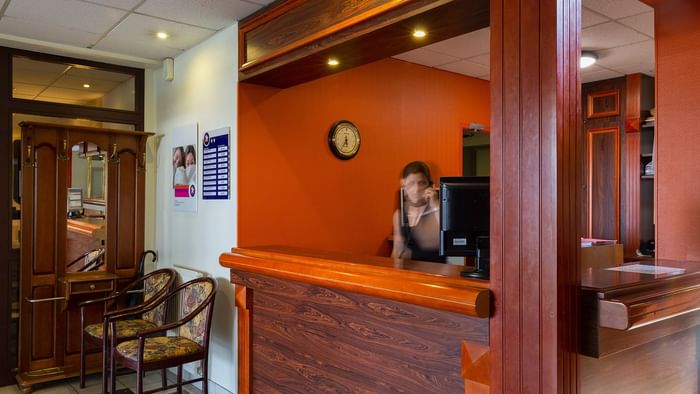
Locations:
(244, 306)
(475, 367)
(375, 276)
(592, 97)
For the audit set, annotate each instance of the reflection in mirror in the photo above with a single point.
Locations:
(86, 209)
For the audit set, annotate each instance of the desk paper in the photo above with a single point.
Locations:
(648, 269)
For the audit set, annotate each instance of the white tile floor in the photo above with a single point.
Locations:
(93, 385)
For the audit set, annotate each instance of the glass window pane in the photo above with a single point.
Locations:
(71, 84)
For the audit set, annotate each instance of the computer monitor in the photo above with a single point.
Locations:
(75, 201)
(464, 219)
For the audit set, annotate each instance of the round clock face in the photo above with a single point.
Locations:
(344, 140)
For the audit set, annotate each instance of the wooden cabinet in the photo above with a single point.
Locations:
(49, 293)
(619, 196)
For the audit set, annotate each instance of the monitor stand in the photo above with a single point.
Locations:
(481, 270)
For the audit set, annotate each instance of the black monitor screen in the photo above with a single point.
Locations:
(464, 214)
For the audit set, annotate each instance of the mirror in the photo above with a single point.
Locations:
(86, 208)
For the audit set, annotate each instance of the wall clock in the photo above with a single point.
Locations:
(344, 139)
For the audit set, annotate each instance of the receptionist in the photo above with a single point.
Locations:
(417, 221)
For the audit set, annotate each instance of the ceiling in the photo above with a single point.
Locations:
(124, 32)
(621, 32)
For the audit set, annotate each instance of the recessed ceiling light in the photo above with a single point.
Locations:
(162, 35)
(333, 62)
(419, 33)
(588, 58)
(86, 85)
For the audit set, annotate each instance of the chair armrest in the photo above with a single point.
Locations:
(178, 323)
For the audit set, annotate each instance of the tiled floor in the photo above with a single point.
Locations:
(94, 385)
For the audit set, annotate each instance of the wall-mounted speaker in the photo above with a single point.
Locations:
(168, 69)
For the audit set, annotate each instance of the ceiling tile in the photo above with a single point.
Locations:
(484, 59)
(426, 57)
(99, 75)
(212, 14)
(642, 52)
(53, 93)
(466, 45)
(123, 4)
(598, 75)
(23, 90)
(96, 86)
(46, 32)
(643, 23)
(465, 67)
(616, 9)
(71, 14)
(609, 35)
(136, 36)
(590, 18)
(644, 68)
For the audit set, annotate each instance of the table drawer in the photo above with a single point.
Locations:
(92, 287)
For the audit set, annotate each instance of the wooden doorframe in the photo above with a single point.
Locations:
(536, 191)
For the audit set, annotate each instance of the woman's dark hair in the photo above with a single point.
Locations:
(417, 167)
(190, 149)
(181, 162)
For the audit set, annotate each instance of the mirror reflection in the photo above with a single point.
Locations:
(86, 209)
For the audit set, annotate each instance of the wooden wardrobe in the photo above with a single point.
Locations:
(49, 343)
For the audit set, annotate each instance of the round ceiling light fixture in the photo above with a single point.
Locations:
(588, 58)
(162, 35)
(419, 33)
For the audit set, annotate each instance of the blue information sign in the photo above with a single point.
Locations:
(215, 167)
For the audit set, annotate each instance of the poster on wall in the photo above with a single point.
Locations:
(215, 164)
(184, 154)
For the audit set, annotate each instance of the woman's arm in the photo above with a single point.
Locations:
(399, 250)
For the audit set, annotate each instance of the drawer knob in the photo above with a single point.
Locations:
(92, 286)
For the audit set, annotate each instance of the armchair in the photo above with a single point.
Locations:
(156, 286)
(152, 349)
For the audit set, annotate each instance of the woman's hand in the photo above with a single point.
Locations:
(431, 196)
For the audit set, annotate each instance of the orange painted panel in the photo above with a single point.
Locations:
(293, 191)
(677, 179)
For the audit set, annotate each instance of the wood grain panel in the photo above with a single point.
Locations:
(602, 104)
(42, 346)
(311, 339)
(603, 183)
(302, 22)
(45, 206)
(244, 305)
(126, 205)
(535, 187)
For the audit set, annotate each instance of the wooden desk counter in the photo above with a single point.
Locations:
(309, 319)
(640, 329)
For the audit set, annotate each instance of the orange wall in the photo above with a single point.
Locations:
(678, 134)
(293, 191)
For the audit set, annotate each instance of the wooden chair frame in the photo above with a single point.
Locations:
(110, 301)
(140, 367)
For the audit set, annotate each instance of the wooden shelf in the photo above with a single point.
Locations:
(648, 177)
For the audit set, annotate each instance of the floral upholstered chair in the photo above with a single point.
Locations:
(156, 286)
(152, 349)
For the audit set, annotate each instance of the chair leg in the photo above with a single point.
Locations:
(112, 371)
(205, 376)
(82, 359)
(163, 378)
(179, 379)
(139, 379)
(105, 366)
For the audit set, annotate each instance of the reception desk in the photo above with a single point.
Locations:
(312, 321)
(639, 327)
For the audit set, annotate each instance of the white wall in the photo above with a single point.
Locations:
(204, 91)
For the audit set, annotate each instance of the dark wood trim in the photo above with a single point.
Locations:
(591, 97)
(589, 170)
(536, 161)
(633, 101)
(6, 377)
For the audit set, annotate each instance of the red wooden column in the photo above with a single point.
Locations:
(536, 195)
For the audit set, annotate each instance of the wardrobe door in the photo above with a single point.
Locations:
(43, 239)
